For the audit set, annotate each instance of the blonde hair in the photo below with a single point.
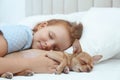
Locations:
(74, 29)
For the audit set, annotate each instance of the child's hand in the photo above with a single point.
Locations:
(43, 64)
(48, 65)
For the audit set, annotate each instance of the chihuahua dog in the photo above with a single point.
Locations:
(78, 61)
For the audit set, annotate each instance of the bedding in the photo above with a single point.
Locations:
(107, 70)
(101, 33)
(97, 19)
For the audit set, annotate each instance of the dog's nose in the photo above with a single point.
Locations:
(79, 70)
(88, 70)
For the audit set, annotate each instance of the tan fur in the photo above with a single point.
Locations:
(80, 62)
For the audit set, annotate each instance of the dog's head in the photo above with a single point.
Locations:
(82, 61)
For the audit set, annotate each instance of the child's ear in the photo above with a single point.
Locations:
(76, 47)
(96, 58)
(40, 25)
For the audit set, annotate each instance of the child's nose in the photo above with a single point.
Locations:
(50, 45)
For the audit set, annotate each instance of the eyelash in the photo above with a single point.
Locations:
(50, 35)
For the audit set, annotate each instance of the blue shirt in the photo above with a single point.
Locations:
(18, 37)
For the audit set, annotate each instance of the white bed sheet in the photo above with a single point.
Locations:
(107, 70)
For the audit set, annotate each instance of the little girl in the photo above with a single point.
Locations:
(53, 34)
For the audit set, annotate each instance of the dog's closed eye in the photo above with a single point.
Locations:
(82, 62)
(85, 66)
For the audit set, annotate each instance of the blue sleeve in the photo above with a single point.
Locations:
(18, 37)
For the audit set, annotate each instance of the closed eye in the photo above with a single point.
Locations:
(51, 35)
(82, 62)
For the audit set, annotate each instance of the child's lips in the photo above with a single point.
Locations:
(40, 46)
(43, 47)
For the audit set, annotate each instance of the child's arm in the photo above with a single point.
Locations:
(12, 65)
(3, 46)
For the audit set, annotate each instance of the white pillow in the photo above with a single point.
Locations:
(101, 32)
(33, 20)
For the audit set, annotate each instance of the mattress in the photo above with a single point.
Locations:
(106, 70)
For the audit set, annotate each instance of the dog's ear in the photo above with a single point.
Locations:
(96, 58)
(76, 47)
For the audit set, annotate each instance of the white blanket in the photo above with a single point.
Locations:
(107, 70)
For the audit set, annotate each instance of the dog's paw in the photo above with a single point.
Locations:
(7, 75)
(58, 70)
(66, 70)
(29, 73)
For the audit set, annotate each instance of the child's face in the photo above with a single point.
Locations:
(54, 37)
